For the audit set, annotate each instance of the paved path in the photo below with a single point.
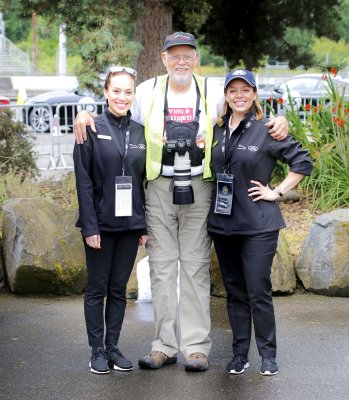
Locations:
(44, 354)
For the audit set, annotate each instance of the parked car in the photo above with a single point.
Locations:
(312, 85)
(300, 91)
(4, 101)
(40, 110)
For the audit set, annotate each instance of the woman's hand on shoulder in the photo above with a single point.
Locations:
(278, 127)
(82, 120)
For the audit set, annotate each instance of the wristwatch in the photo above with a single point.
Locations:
(278, 191)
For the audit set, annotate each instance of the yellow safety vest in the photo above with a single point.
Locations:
(154, 129)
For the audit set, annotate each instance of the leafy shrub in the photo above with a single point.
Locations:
(325, 133)
(16, 147)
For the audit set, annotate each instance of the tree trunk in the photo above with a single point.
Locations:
(153, 24)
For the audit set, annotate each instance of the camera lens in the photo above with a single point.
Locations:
(182, 189)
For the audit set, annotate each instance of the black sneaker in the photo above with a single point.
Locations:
(238, 364)
(98, 364)
(269, 366)
(117, 361)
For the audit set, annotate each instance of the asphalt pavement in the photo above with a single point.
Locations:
(44, 354)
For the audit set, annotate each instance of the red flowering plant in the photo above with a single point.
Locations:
(324, 130)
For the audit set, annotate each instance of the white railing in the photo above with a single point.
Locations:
(272, 106)
(51, 129)
(12, 59)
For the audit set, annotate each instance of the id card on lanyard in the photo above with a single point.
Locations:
(224, 182)
(224, 194)
(123, 196)
(123, 183)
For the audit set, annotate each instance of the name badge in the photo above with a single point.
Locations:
(123, 196)
(224, 195)
(104, 137)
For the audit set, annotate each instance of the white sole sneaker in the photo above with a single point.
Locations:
(98, 372)
(268, 373)
(233, 372)
(121, 369)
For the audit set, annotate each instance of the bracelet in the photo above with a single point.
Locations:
(278, 191)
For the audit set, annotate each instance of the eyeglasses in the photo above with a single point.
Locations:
(186, 59)
(115, 68)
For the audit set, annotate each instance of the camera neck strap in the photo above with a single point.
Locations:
(197, 106)
(124, 151)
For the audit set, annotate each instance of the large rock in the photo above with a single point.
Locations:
(283, 275)
(132, 286)
(2, 277)
(217, 285)
(42, 249)
(323, 264)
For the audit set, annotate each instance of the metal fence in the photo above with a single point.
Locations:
(304, 105)
(51, 130)
(51, 127)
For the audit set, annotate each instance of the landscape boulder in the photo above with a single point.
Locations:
(132, 285)
(283, 274)
(2, 276)
(42, 249)
(217, 285)
(323, 264)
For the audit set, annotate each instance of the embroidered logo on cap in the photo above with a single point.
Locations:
(181, 35)
(239, 72)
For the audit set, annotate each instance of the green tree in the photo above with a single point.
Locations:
(101, 31)
(301, 41)
(331, 53)
(158, 18)
(208, 58)
(241, 32)
(96, 30)
(343, 24)
(17, 28)
(245, 32)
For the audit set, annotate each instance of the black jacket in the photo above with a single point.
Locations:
(254, 157)
(97, 162)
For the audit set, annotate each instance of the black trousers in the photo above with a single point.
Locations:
(245, 263)
(108, 270)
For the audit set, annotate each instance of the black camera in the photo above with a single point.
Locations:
(181, 146)
(182, 189)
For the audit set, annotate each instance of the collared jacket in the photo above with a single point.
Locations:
(251, 154)
(97, 162)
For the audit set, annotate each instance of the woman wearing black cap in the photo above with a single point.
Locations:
(245, 219)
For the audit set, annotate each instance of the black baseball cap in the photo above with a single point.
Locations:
(179, 38)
